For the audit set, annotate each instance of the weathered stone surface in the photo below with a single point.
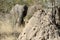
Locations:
(31, 11)
(40, 27)
(18, 13)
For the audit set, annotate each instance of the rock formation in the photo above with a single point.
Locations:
(43, 24)
(18, 12)
(31, 11)
(40, 27)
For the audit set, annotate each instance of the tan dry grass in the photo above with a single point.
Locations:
(5, 27)
(7, 31)
(9, 38)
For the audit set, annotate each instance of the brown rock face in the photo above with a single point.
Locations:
(40, 27)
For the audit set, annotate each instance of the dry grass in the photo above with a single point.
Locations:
(7, 31)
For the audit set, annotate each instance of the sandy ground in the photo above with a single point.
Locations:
(7, 32)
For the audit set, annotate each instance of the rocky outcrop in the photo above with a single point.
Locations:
(18, 13)
(40, 27)
(31, 11)
(42, 24)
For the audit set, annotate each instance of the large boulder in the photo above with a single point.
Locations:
(40, 27)
(18, 13)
